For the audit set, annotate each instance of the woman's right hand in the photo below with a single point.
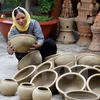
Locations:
(10, 48)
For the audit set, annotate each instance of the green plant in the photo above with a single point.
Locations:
(46, 5)
(14, 2)
(41, 18)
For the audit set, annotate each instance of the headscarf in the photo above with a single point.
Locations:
(16, 24)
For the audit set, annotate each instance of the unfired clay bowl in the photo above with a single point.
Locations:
(78, 68)
(32, 58)
(64, 59)
(81, 95)
(22, 42)
(87, 72)
(93, 83)
(70, 81)
(62, 69)
(90, 60)
(25, 74)
(44, 66)
(45, 78)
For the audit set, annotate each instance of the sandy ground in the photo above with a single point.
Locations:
(8, 63)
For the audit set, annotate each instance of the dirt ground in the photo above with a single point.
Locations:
(8, 63)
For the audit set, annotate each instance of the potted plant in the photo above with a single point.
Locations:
(48, 23)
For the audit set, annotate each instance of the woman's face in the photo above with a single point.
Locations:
(21, 19)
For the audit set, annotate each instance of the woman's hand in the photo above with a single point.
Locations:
(35, 46)
(10, 48)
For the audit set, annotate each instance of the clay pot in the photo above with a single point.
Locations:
(25, 90)
(70, 81)
(62, 69)
(97, 66)
(87, 72)
(32, 58)
(78, 68)
(42, 93)
(81, 95)
(45, 65)
(25, 74)
(20, 44)
(8, 87)
(95, 44)
(93, 83)
(45, 78)
(64, 59)
(90, 60)
(66, 24)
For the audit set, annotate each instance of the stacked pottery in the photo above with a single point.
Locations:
(8, 87)
(95, 28)
(66, 22)
(42, 93)
(87, 10)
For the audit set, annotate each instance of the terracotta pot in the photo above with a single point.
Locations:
(25, 74)
(49, 27)
(42, 93)
(44, 66)
(93, 83)
(70, 81)
(32, 58)
(25, 90)
(45, 78)
(20, 44)
(81, 95)
(5, 26)
(95, 44)
(87, 72)
(78, 68)
(62, 69)
(8, 87)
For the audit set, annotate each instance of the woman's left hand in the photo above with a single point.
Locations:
(35, 46)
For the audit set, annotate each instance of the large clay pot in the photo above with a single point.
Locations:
(93, 83)
(42, 93)
(81, 95)
(70, 81)
(8, 87)
(25, 74)
(25, 91)
(32, 58)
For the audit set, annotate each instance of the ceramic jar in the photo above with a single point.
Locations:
(42, 93)
(8, 87)
(25, 90)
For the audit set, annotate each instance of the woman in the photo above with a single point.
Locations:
(22, 24)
